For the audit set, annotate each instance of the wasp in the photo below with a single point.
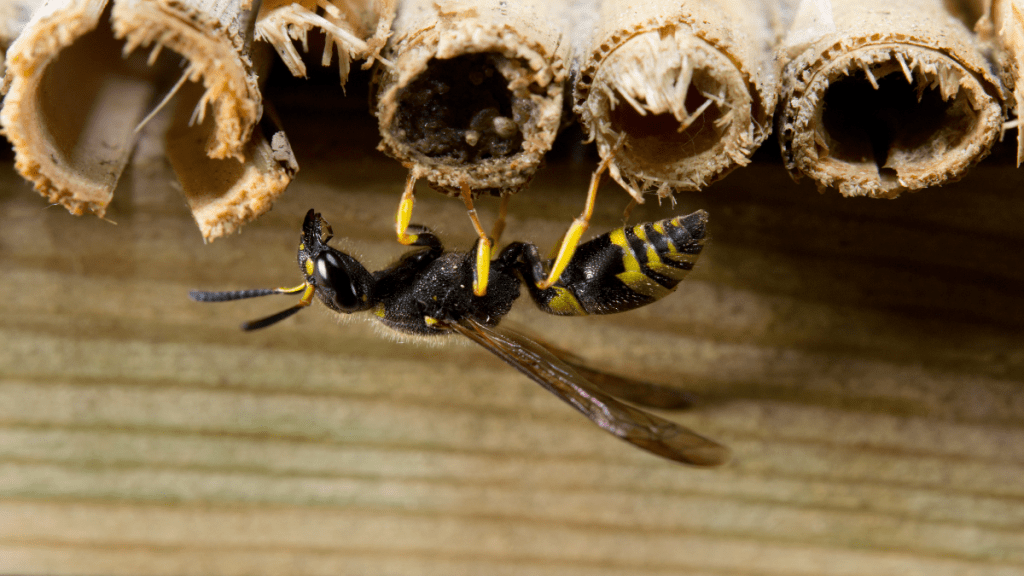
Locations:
(428, 292)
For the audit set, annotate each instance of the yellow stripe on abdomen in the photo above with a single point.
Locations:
(634, 277)
(565, 303)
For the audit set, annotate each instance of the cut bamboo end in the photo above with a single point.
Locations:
(14, 16)
(882, 112)
(475, 93)
(686, 114)
(72, 105)
(224, 194)
(79, 94)
(209, 35)
(689, 89)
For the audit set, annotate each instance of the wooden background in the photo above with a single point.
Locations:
(863, 359)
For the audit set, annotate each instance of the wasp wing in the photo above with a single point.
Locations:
(642, 392)
(633, 425)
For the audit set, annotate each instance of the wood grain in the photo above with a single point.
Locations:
(862, 358)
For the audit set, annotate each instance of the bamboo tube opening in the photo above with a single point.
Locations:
(889, 122)
(685, 114)
(76, 118)
(472, 96)
(90, 101)
(222, 193)
(462, 110)
(889, 98)
(465, 110)
(657, 138)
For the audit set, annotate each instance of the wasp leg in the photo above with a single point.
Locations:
(499, 224)
(629, 210)
(414, 234)
(404, 214)
(482, 268)
(575, 232)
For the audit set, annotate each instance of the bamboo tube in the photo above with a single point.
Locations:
(223, 194)
(882, 97)
(1006, 19)
(475, 93)
(689, 87)
(210, 35)
(79, 93)
(227, 167)
(357, 29)
(70, 119)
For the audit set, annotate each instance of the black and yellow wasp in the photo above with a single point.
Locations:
(428, 292)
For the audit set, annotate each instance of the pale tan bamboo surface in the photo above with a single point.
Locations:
(879, 97)
(1004, 23)
(688, 88)
(862, 359)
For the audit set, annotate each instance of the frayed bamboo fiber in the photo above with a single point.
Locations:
(688, 87)
(357, 29)
(882, 97)
(475, 93)
(79, 94)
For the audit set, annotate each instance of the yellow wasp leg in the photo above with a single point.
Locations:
(483, 249)
(404, 214)
(575, 232)
(307, 295)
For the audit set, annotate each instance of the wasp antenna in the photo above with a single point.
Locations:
(202, 296)
(273, 319)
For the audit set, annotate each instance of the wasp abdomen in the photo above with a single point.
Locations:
(626, 268)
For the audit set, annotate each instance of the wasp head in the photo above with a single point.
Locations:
(339, 280)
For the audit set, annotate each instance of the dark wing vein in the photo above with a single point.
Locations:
(633, 425)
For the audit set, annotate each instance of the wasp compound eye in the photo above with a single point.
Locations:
(332, 275)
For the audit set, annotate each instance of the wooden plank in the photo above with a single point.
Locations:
(862, 358)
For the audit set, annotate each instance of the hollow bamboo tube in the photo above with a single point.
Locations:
(226, 165)
(79, 93)
(475, 92)
(223, 194)
(882, 97)
(1004, 23)
(70, 119)
(211, 36)
(689, 87)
